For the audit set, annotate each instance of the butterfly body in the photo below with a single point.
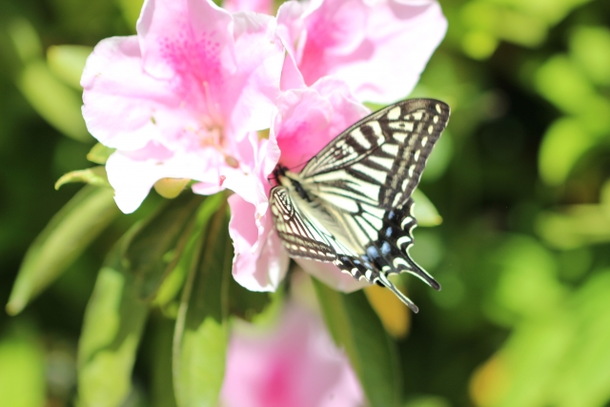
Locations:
(351, 204)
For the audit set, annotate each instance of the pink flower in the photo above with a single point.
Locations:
(180, 99)
(259, 6)
(378, 47)
(295, 365)
(307, 120)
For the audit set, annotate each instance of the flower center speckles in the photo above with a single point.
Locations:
(195, 60)
(191, 54)
(211, 136)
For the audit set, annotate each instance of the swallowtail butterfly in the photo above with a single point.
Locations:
(351, 204)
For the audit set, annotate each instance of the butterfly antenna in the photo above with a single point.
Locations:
(383, 279)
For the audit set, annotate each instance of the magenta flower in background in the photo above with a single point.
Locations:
(377, 47)
(295, 364)
(180, 99)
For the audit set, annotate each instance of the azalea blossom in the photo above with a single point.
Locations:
(294, 364)
(182, 97)
(377, 47)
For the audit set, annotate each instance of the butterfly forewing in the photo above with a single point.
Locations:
(380, 158)
(351, 202)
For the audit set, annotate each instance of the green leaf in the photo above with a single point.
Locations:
(130, 9)
(247, 304)
(590, 49)
(68, 233)
(160, 355)
(564, 144)
(99, 154)
(575, 226)
(57, 103)
(24, 39)
(68, 62)
(92, 176)
(158, 244)
(424, 210)
(22, 365)
(584, 376)
(355, 326)
(562, 83)
(112, 329)
(201, 335)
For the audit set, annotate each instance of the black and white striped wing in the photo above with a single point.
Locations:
(298, 233)
(354, 196)
(380, 159)
(306, 231)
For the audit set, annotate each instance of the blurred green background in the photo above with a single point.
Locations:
(521, 178)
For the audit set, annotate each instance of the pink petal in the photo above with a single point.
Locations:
(224, 67)
(405, 34)
(330, 275)
(295, 365)
(260, 57)
(310, 118)
(185, 39)
(254, 160)
(119, 101)
(259, 6)
(260, 262)
(133, 173)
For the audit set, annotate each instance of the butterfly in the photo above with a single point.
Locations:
(351, 203)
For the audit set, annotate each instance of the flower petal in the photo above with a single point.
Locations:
(119, 102)
(260, 261)
(379, 48)
(310, 118)
(296, 364)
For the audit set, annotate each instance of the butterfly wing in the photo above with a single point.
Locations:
(354, 195)
(379, 159)
(306, 231)
(299, 235)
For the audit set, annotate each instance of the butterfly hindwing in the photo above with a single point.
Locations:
(299, 236)
(307, 231)
(351, 204)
